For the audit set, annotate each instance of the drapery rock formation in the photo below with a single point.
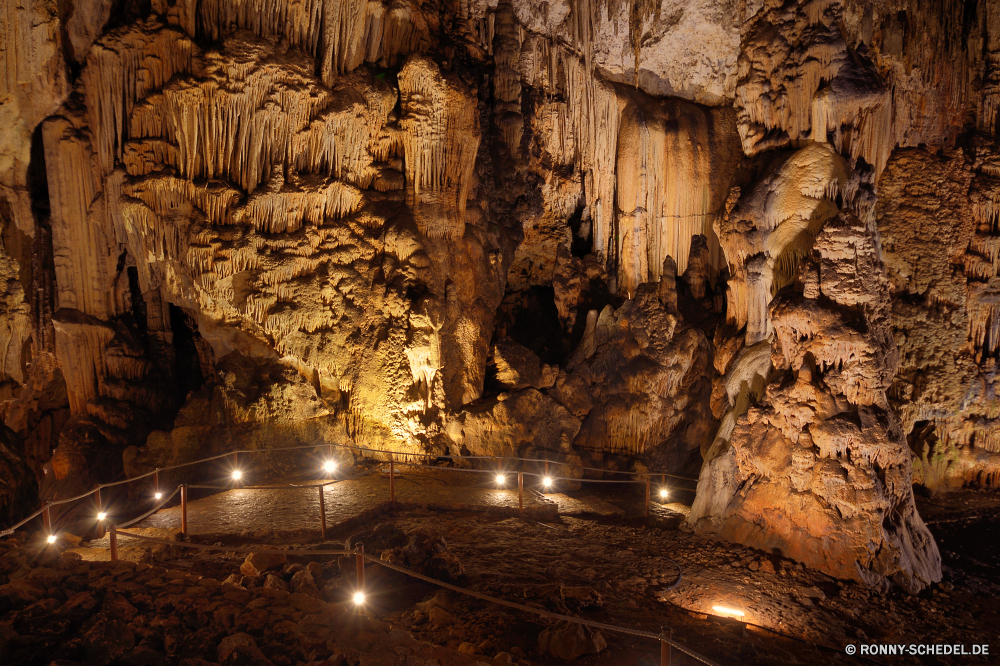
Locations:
(819, 468)
(940, 246)
(751, 240)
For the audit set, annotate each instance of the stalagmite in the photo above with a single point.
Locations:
(507, 227)
(825, 465)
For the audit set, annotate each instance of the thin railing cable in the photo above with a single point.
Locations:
(454, 588)
(534, 474)
(288, 486)
(358, 449)
(400, 454)
(159, 505)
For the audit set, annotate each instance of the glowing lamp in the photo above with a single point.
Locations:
(547, 482)
(329, 467)
(102, 515)
(359, 598)
(726, 611)
(158, 495)
(500, 479)
(237, 475)
(52, 538)
(663, 493)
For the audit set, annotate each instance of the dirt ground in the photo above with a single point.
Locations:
(634, 568)
(614, 566)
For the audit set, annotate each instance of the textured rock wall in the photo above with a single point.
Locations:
(939, 243)
(615, 233)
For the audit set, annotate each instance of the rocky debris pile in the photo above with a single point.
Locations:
(569, 640)
(420, 551)
(425, 553)
(55, 609)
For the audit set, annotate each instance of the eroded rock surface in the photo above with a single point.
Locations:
(819, 469)
(512, 228)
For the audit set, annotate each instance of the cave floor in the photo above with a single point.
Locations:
(295, 512)
(599, 539)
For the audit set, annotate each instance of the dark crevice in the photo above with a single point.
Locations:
(187, 364)
(138, 302)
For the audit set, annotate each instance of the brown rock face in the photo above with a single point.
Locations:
(819, 469)
(939, 244)
(512, 228)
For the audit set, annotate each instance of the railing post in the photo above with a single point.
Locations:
(360, 565)
(520, 492)
(97, 499)
(156, 481)
(184, 509)
(322, 511)
(647, 496)
(46, 519)
(392, 483)
(114, 544)
(666, 634)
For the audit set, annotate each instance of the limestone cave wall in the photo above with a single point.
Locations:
(753, 241)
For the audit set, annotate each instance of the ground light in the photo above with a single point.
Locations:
(102, 515)
(52, 538)
(158, 496)
(237, 475)
(726, 611)
(663, 493)
(329, 467)
(359, 598)
(500, 479)
(547, 482)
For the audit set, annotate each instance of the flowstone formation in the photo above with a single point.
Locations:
(818, 469)
(940, 244)
(601, 233)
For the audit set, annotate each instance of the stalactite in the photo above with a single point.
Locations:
(122, 68)
(440, 142)
(768, 232)
(674, 161)
(84, 256)
(507, 78)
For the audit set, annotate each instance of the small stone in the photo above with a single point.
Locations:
(439, 617)
(209, 583)
(303, 583)
(273, 582)
(234, 579)
(467, 648)
(107, 640)
(581, 596)
(315, 570)
(569, 640)
(241, 649)
(259, 563)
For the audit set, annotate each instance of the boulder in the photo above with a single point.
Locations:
(241, 650)
(569, 640)
(107, 640)
(274, 582)
(258, 563)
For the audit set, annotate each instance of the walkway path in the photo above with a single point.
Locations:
(277, 515)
